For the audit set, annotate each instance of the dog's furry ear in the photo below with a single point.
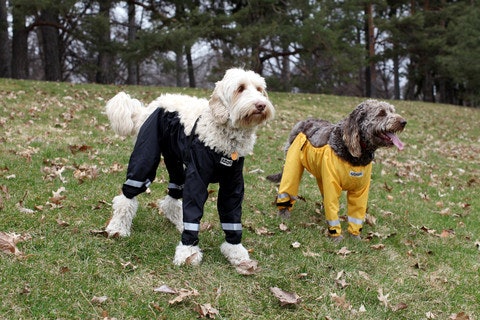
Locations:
(218, 105)
(351, 132)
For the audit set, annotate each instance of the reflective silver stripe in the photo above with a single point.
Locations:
(137, 184)
(174, 186)
(355, 220)
(333, 223)
(283, 196)
(191, 226)
(232, 226)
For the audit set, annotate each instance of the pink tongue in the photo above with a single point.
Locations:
(395, 140)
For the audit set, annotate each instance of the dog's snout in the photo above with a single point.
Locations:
(260, 106)
(403, 123)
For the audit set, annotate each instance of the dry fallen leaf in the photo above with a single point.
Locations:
(8, 242)
(379, 246)
(383, 298)
(296, 245)
(99, 300)
(459, 316)
(340, 301)
(165, 289)
(248, 267)
(285, 298)
(400, 306)
(206, 310)
(182, 295)
(344, 251)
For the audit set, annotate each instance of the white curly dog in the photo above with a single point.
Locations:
(202, 141)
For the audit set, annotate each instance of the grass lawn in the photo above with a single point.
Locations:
(61, 165)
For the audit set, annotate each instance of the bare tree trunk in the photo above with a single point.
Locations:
(4, 42)
(370, 75)
(104, 61)
(132, 64)
(179, 67)
(19, 44)
(191, 72)
(50, 44)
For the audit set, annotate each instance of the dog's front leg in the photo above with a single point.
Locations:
(124, 210)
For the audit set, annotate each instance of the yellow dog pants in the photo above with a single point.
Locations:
(333, 175)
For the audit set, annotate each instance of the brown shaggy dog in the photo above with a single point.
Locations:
(340, 157)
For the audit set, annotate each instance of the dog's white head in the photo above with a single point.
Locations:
(241, 98)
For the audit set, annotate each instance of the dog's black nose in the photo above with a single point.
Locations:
(403, 123)
(260, 106)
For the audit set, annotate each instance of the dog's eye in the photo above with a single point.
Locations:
(382, 113)
(241, 88)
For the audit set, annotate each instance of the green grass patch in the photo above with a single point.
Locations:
(61, 165)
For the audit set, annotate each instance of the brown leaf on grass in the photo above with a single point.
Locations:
(22, 209)
(116, 167)
(341, 301)
(285, 298)
(248, 267)
(283, 227)
(447, 233)
(427, 230)
(165, 289)
(400, 306)
(459, 316)
(8, 243)
(342, 283)
(97, 232)
(296, 245)
(76, 148)
(263, 231)
(182, 295)
(86, 172)
(57, 197)
(62, 223)
(383, 298)
(99, 300)
(206, 311)
(190, 258)
(344, 251)
(364, 275)
(370, 220)
(379, 246)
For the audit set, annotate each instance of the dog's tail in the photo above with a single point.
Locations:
(276, 178)
(125, 114)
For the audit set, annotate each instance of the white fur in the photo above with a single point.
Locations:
(235, 253)
(228, 120)
(124, 211)
(172, 208)
(183, 252)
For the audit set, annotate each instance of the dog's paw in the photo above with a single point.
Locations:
(235, 253)
(275, 178)
(190, 255)
(284, 213)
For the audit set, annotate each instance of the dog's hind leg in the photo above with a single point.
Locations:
(172, 208)
(124, 210)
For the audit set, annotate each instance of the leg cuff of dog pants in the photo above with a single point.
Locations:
(334, 231)
(175, 193)
(190, 238)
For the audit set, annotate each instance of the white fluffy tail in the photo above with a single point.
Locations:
(126, 115)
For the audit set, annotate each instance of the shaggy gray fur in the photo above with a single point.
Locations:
(371, 125)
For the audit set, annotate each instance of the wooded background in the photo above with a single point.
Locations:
(416, 50)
